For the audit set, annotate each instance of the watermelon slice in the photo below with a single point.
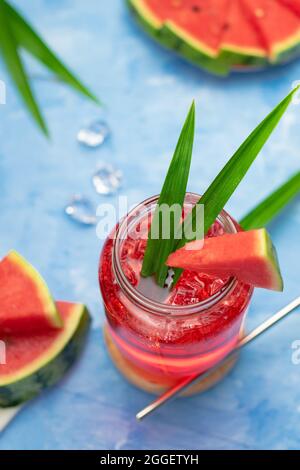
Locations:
(26, 305)
(221, 35)
(248, 256)
(38, 361)
(188, 27)
(278, 26)
(191, 20)
(241, 43)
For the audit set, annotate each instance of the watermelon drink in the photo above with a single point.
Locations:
(157, 340)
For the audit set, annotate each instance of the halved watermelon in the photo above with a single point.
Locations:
(38, 361)
(26, 305)
(220, 35)
(248, 256)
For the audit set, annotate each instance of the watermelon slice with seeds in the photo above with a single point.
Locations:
(278, 26)
(26, 305)
(221, 35)
(188, 27)
(241, 43)
(197, 25)
(248, 256)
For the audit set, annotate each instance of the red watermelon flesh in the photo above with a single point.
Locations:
(240, 34)
(25, 354)
(26, 305)
(248, 256)
(278, 26)
(199, 20)
(161, 10)
(293, 5)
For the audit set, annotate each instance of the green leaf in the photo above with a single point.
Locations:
(223, 186)
(9, 49)
(173, 192)
(264, 212)
(33, 43)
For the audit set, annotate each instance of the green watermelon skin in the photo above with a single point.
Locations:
(168, 37)
(19, 391)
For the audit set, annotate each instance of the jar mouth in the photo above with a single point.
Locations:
(140, 299)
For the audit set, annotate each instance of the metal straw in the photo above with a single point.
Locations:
(185, 383)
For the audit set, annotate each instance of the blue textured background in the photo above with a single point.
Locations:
(147, 92)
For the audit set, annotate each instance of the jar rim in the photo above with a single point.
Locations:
(157, 307)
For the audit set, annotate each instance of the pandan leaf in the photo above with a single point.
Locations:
(10, 53)
(223, 186)
(173, 192)
(33, 43)
(270, 207)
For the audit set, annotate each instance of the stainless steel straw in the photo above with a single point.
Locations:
(184, 384)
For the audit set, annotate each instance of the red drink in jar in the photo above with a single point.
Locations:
(156, 342)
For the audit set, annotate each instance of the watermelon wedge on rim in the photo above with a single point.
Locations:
(248, 256)
(26, 305)
(221, 35)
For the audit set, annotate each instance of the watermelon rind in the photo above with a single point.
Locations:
(286, 50)
(195, 51)
(270, 253)
(236, 57)
(48, 306)
(47, 370)
(145, 17)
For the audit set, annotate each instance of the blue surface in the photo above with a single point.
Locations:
(147, 92)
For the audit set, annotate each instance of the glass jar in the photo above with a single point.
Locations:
(155, 344)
